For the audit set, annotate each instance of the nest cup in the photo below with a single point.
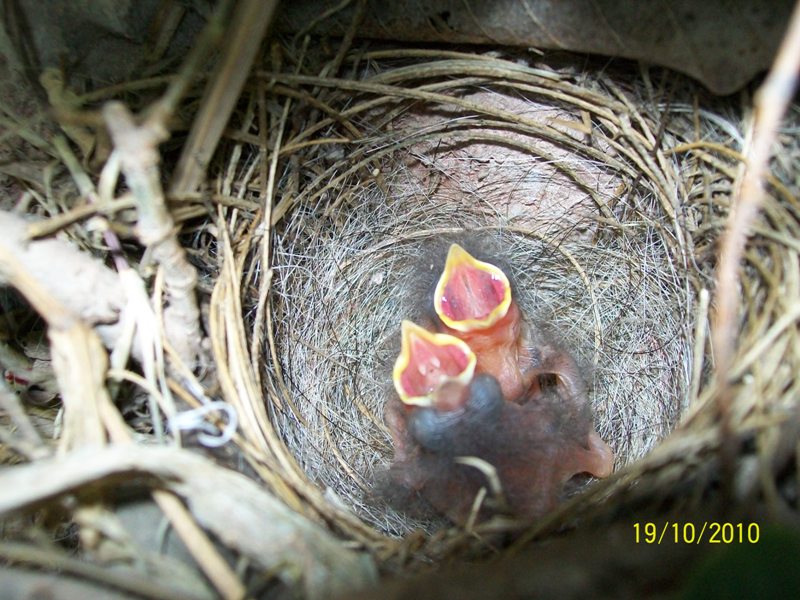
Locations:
(587, 186)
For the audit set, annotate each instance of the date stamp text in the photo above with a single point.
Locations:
(710, 532)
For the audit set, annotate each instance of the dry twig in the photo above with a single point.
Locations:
(137, 148)
(244, 39)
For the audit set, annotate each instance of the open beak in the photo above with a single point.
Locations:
(428, 361)
(471, 294)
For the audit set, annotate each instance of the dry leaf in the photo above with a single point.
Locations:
(721, 43)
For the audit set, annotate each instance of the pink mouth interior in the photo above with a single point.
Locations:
(429, 364)
(471, 293)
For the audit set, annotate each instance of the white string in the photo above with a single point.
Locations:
(209, 435)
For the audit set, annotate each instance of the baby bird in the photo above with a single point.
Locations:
(470, 453)
(473, 302)
(427, 362)
(432, 370)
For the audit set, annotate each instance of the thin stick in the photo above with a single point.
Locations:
(137, 147)
(245, 34)
(266, 271)
(700, 333)
(769, 104)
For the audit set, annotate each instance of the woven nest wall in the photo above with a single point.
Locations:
(545, 169)
(605, 194)
(606, 198)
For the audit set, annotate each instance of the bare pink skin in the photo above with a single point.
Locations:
(536, 445)
(538, 435)
(501, 351)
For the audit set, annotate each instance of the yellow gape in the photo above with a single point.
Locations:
(471, 294)
(427, 361)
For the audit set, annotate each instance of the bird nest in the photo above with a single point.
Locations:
(546, 170)
(604, 193)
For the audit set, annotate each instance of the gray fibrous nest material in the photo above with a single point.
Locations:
(563, 179)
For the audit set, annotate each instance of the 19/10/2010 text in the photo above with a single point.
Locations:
(711, 532)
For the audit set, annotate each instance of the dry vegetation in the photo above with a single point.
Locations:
(256, 416)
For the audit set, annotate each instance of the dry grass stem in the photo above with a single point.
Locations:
(248, 25)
